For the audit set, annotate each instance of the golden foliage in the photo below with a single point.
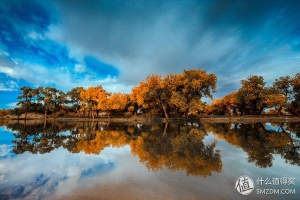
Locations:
(94, 142)
(185, 151)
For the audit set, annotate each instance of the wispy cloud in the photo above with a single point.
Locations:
(118, 44)
(12, 105)
(8, 85)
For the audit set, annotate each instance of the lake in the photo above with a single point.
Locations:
(97, 160)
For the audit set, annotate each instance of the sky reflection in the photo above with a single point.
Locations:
(40, 175)
(116, 172)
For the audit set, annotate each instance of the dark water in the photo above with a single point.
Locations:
(87, 160)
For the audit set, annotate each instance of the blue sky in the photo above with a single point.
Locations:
(117, 43)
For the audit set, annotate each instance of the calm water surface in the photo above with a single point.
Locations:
(86, 160)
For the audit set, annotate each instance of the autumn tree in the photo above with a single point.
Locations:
(115, 102)
(152, 93)
(216, 107)
(188, 88)
(131, 107)
(180, 92)
(223, 106)
(275, 100)
(94, 98)
(230, 104)
(226, 105)
(281, 93)
(250, 97)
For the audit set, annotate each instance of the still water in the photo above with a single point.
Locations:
(95, 160)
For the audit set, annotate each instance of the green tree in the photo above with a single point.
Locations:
(73, 97)
(49, 97)
(16, 111)
(282, 88)
(26, 97)
(59, 99)
(283, 85)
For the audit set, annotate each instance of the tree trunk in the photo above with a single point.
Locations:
(93, 114)
(279, 110)
(164, 135)
(46, 113)
(234, 111)
(186, 114)
(165, 110)
(26, 111)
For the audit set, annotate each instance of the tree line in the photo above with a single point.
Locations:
(175, 95)
(254, 97)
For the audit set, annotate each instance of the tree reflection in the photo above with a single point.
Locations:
(37, 137)
(260, 142)
(158, 146)
(95, 142)
(184, 150)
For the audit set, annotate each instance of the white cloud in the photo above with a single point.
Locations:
(8, 71)
(79, 68)
(109, 84)
(37, 75)
(149, 38)
(3, 50)
(161, 44)
(4, 53)
(12, 105)
(8, 85)
(34, 35)
(5, 150)
(63, 172)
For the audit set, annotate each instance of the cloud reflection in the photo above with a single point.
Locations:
(28, 175)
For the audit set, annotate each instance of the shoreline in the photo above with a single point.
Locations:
(210, 119)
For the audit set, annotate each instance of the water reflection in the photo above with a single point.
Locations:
(262, 141)
(174, 146)
(68, 155)
(181, 149)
